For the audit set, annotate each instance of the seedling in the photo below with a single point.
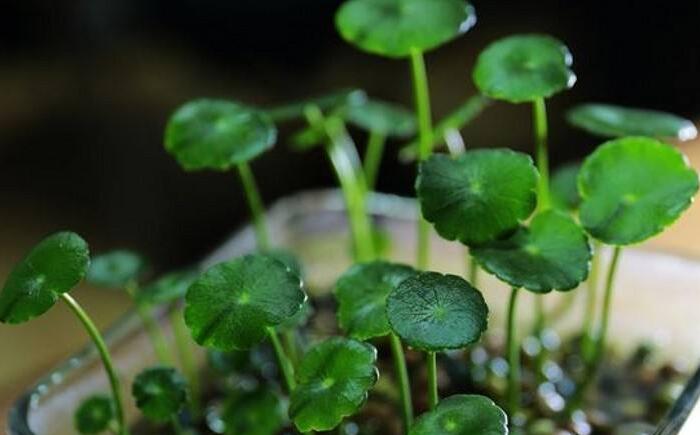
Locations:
(94, 415)
(160, 394)
(463, 414)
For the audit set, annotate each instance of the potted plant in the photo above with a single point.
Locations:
(389, 347)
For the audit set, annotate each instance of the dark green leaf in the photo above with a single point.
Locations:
(228, 362)
(552, 253)
(387, 119)
(523, 68)
(54, 266)
(115, 269)
(334, 379)
(463, 415)
(479, 195)
(632, 188)
(94, 415)
(393, 28)
(217, 134)
(436, 312)
(613, 121)
(160, 393)
(258, 412)
(233, 303)
(564, 187)
(168, 288)
(361, 293)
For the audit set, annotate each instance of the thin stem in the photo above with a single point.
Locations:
(256, 205)
(513, 356)
(473, 270)
(591, 303)
(433, 396)
(425, 148)
(185, 351)
(607, 304)
(539, 118)
(101, 346)
(290, 342)
(282, 360)
(155, 333)
(373, 158)
(401, 373)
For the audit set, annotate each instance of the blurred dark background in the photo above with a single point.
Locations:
(86, 87)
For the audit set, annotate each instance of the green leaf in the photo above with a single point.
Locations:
(160, 393)
(387, 119)
(54, 266)
(564, 187)
(258, 412)
(632, 188)
(217, 134)
(479, 195)
(393, 28)
(168, 288)
(607, 120)
(435, 312)
(233, 303)
(523, 68)
(288, 259)
(228, 362)
(94, 415)
(334, 379)
(463, 414)
(553, 253)
(115, 269)
(361, 293)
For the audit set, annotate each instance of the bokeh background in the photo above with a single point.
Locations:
(86, 87)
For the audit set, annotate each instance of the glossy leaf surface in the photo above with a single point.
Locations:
(462, 415)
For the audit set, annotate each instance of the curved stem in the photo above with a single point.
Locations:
(283, 361)
(256, 205)
(607, 304)
(185, 351)
(106, 359)
(539, 118)
(433, 396)
(373, 158)
(401, 373)
(513, 356)
(425, 148)
(591, 302)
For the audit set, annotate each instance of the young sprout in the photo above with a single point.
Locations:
(407, 29)
(361, 293)
(160, 394)
(237, 304)
(95, 415)
(463, 414)
(220, 135)
(434, 312)
(46, 274)
(607, 120)
(257, 412)
(334, 379)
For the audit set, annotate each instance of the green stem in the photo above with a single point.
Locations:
(185, 351)
(591, 303)
(283, 361)
(155, 333)
(425, 148)
(373, 158)
(539, 118)
(607, 304)
(473, 270)
(106, 359)
(401, 373)
(513, 356)
(256, 205)
(290, 342)
(433, 396)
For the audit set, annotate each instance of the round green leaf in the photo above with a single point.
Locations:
(607, 120)
(258, 412)
(168, 288)
(479, 195)
(233, 303)
(54, 266)
(381, 117)
(632, 188)
(94, 415)
(217, 134)
(288, 259)
(115, 269)
(553, 253)
(334, 379)
(361, 293)
(160, 393)
(564, 187)
(393, 28)
(436, 312)
(523, 68)
(463, 414)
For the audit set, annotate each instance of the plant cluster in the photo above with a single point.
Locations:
(531, 232)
